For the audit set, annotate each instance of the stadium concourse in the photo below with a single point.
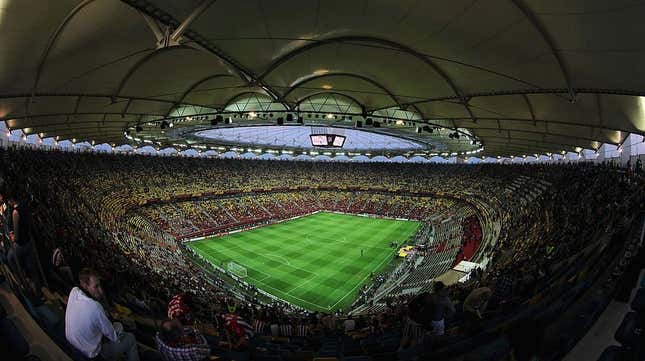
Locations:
(322, 180)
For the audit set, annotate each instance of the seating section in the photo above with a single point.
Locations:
(543, 235)
(184, 218)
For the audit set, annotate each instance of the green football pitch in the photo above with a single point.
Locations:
(313, 261)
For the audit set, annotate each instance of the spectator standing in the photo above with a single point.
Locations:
(238, 332)
(23, 256)
(475, 306)
(5, 243)
(639, 165)
(440, 308)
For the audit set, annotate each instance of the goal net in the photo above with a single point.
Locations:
(236, 269)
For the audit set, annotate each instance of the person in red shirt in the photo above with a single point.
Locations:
(179, 308)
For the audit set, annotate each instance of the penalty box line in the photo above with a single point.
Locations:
(268, 256)
(289, 295)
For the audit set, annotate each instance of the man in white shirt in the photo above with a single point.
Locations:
(86, 323)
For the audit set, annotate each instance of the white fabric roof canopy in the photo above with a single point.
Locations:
(526, 76)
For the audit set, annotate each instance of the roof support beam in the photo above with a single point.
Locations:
(133, 69)
(157, 31)
(545, 121)
(552, 146)
(370, 39)
(92, 95)
(340, 74)
(530, 108)
(541, 29)
(193, 87)
(78, 103)
(181, 29)
(516, 148)
(125, 109)
(542, 133)
(50, 45)
(299, 101)
(348, 39)
(554, 91)
(506, 151)
(53, 39)
(198, 41)
(237, 96)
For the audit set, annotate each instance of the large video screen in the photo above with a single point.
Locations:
(327, 140)
(319, 140)
(339, 141)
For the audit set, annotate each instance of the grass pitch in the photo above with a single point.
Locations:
(313, 261)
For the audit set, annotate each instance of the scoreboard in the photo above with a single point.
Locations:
(327, 140)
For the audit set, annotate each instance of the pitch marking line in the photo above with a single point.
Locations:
(297, 298)
(266, 275)
(313, 275)
(286, 261)
(359, 283)
(344, 241)
(214, 253)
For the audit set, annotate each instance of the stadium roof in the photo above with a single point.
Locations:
(522, 76)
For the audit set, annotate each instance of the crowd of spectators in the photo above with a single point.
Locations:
(111, 212)
(188, 218)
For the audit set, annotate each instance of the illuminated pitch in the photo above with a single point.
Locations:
(313, 261)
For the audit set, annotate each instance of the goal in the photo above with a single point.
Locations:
(236, 269)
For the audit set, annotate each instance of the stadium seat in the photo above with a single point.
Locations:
(267, 357)
(328, 353)
(387, 356)
(638, 303)
(612, 353)
(12, 344)
(627, 331)
(357, 358)
(300, 356)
